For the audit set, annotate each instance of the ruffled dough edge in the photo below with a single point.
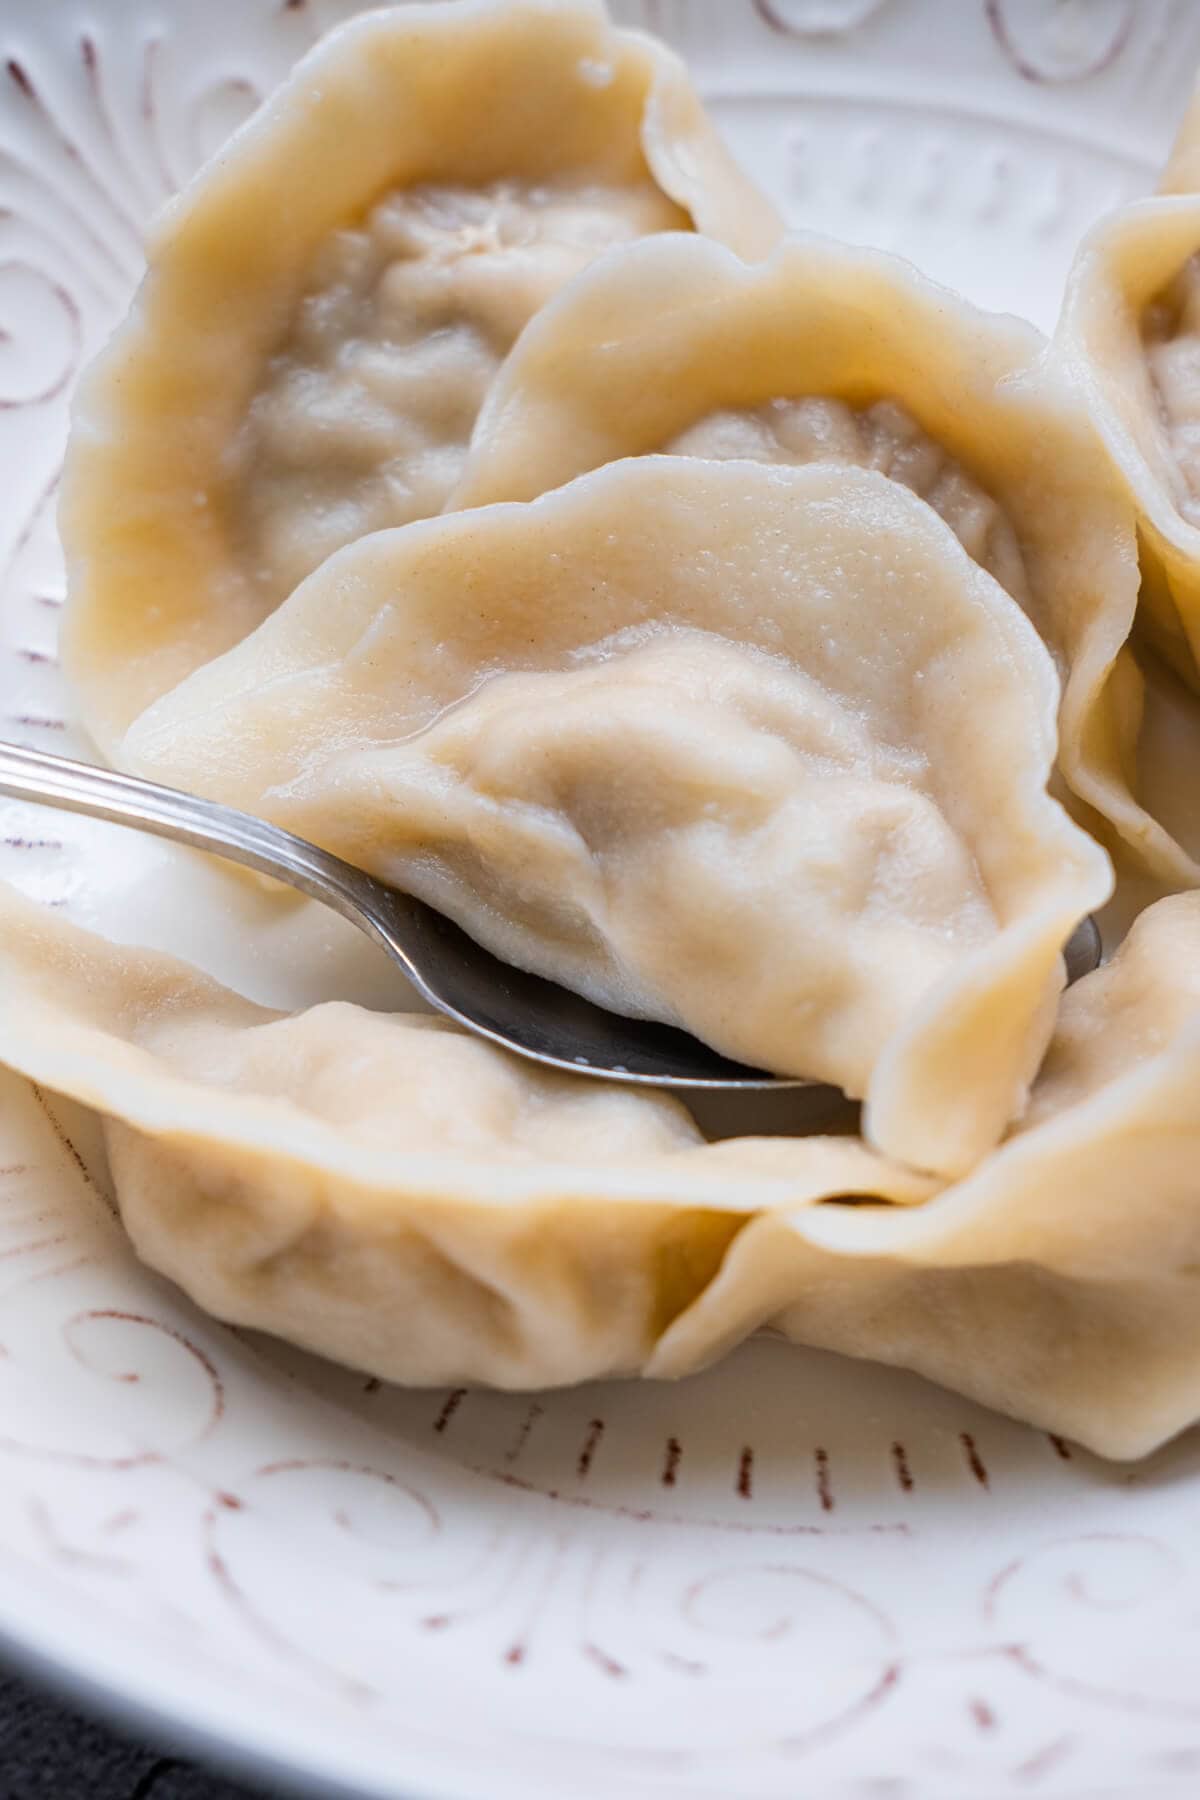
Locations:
(153, 590)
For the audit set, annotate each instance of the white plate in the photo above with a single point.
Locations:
(790, 1576)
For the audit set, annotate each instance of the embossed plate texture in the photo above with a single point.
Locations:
(791, 1576)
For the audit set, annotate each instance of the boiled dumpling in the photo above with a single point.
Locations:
(419, 1205)
(827, 353)
(758, 751)
(328, 303)
(1130, 338)
(386, 1190)
(1058, 1282)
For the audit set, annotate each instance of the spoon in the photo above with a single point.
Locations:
(458, 977)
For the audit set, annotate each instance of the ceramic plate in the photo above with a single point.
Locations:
(791, 1576)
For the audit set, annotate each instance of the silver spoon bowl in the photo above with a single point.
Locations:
(459, 978)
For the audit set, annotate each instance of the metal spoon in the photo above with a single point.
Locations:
(536, 1018)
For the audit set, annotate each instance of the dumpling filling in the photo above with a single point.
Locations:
(883, 436)
(1171, 337)
(363, 417)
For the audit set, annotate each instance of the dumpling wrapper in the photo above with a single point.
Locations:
(1059, 1282)
(328, 302)
(758, 751)
(384, 1189)
(827, 352)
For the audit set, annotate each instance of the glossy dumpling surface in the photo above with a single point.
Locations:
(760, 751)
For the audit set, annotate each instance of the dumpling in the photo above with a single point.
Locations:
(386, 1190)
(328, 303)
(1059, 1281)
(1130, 338)
(757, 751)
(389, 1192)
(828, 353)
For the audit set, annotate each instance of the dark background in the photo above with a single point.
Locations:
(48, 1752)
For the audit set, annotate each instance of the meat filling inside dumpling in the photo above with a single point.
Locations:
(364, 414)
(883, 436)
(1171, 336)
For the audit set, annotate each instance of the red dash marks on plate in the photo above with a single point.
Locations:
(37, 656)
(745, 1474)
(590, 1445)
(72, 1151)
(453, 1401)
(670, 1466)
(900, 1464)
(1061, 1448)
(34, 1245)
(514, 1656)
(604, 1661)
(982, 1714)
(517, 1447)
(1043, 1760)
(824, 1484)
(974, 1461)
(683, 1665)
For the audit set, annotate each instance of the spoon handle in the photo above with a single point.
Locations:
(168, 812)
